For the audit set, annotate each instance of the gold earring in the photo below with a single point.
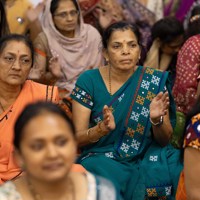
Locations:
(106, 61)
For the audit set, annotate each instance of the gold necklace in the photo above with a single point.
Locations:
(109, 80)
(37, 196)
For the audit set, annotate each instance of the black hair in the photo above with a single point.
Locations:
(120, 26)
(4, 30)
(167, 29)
(33, 110)
(194, 25)
(54, 5)
(19, 38)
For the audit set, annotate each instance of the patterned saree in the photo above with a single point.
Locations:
(128, 155)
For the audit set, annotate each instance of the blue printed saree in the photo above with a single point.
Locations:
(128, 155)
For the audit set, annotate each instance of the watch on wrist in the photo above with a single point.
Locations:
(158, 123)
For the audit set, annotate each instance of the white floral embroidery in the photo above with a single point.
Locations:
(121, 97)
(135, 116)
(78, 96)
(153, 158)
(83, 92)
(145, 112)
(168, 190)
(135, 144)
(109, 155)
(125, 147)
(145, 84)
(155, 80)
(98, 119)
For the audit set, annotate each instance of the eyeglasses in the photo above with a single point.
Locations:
(72, 13)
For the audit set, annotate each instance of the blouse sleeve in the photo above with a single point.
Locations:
(192, 136)
(82, 92)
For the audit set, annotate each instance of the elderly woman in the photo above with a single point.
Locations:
(47, 153)
(124, 119)
(16, 60)
(75, 46)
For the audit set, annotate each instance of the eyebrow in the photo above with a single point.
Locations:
(23, 55)
(127, 41)
(65, 11)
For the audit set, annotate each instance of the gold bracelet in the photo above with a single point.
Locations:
(99, 130)
(88, 135)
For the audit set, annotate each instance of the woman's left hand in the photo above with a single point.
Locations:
(159, 106)
(54, 67)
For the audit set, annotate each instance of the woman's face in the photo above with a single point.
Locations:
(66, 18)
(172, 47)
(48, 147)
(123, 50)
(15, 63)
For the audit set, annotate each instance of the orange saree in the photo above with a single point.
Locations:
(30, 93)
(181, 192)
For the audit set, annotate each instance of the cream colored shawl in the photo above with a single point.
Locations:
(75, 54)
(154, 60)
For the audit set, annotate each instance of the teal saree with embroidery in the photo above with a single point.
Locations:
(128, 155)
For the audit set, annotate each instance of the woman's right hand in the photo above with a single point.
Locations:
(108, 119)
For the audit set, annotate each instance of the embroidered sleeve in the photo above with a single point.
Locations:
(192, 137)
(83, 90)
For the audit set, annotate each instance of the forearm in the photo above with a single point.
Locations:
(34, 29)
(92, 135)
(162, 133)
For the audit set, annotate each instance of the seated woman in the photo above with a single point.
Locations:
(187, 86)
(75, 46)
(16, 60)
(189, 183)
(47, 152)
(167, 37)
(124, 119)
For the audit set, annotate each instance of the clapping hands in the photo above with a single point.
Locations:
(159, 106)
(108, 119)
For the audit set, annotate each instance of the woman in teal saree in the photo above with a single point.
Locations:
(117, 102)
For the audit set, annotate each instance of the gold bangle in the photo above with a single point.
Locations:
(99, 130)
(88, 135)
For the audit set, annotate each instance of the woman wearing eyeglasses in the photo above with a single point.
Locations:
(67, 41)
